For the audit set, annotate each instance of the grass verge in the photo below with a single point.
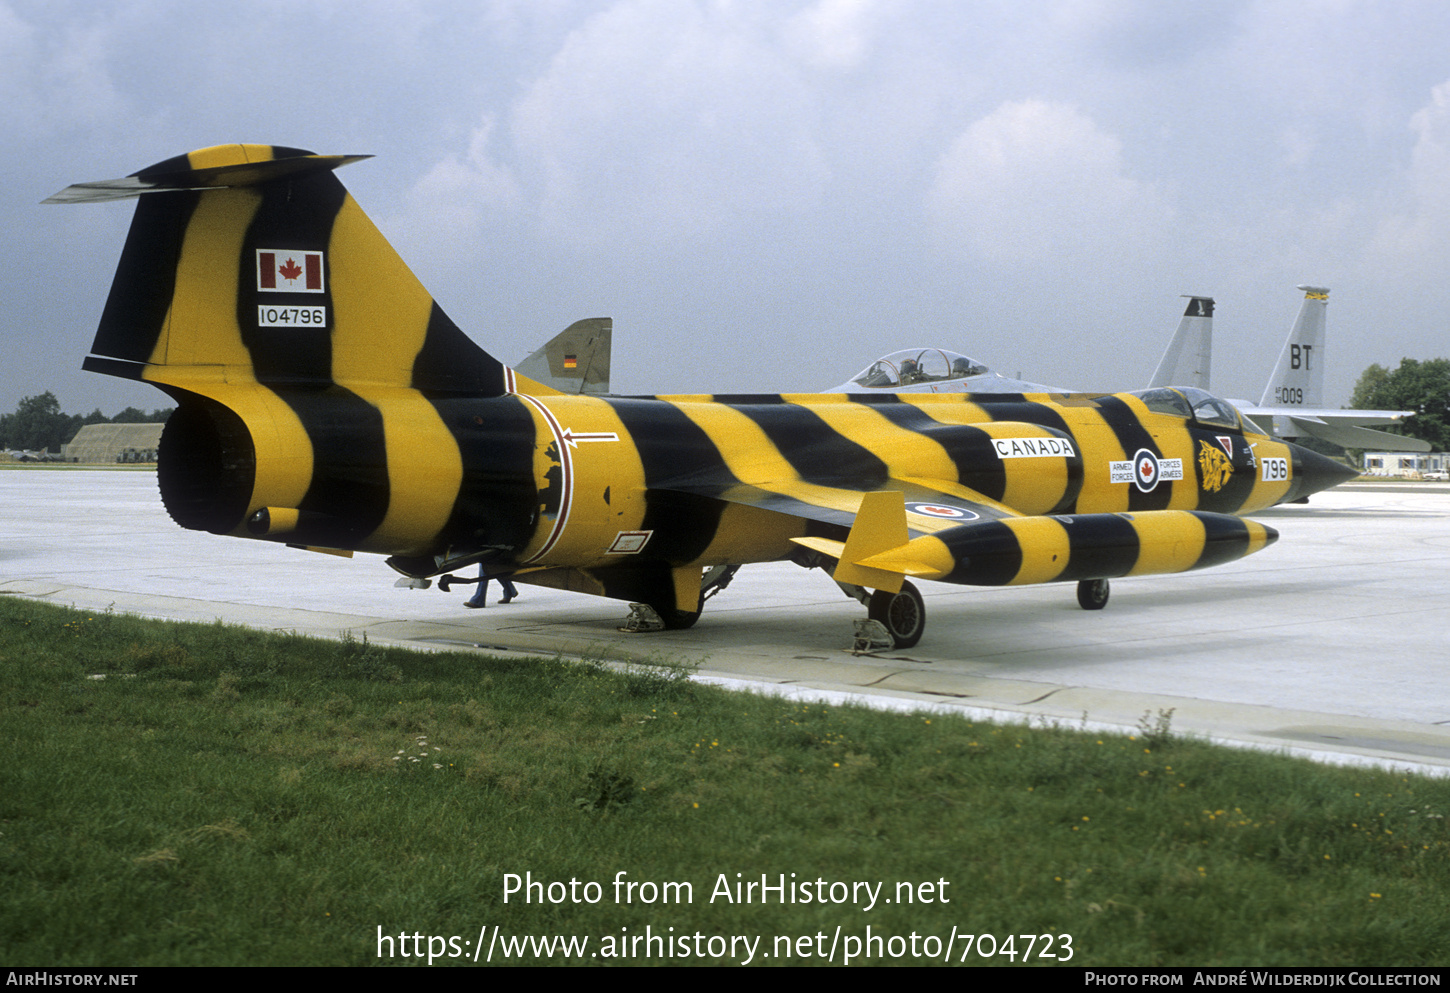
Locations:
(228, 797)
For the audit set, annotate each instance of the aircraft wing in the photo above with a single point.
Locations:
(1334, 415)
(1349, 435)
(877, 537)
(930, 506)
(1346, 428)
(870, 532)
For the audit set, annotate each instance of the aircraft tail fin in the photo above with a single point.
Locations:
(1188, 356)
(253, 263)
(576, 360)
(1298, 377)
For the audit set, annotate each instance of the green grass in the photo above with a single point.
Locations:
(227, 797)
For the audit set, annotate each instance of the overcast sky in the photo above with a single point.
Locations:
(767, 195)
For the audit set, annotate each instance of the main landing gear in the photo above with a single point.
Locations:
(664, 616)
(903, 614)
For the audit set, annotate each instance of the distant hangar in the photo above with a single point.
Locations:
(111, 443)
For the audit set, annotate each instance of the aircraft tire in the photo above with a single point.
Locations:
(678, 620)
(903, 614)
(1092, 594)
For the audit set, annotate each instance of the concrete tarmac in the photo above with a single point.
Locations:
(1334, 642)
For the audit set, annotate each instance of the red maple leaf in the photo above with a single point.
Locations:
(290, 270)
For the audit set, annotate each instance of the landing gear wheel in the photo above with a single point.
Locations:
(1092, 594)
(903, 614)
(678, 620)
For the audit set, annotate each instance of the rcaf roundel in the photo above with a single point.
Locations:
(942, 510)
(1145, 470)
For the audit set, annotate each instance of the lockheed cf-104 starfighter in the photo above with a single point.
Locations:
(325, 400)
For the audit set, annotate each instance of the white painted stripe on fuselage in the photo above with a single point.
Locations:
(566, 480)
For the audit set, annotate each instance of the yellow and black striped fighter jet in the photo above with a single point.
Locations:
(324, 400)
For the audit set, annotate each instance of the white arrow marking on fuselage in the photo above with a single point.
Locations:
(570, 438)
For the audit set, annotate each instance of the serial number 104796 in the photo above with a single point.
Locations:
(291, 317)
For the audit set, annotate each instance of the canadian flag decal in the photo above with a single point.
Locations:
(287, 271)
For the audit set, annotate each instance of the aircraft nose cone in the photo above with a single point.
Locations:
(1313, 472)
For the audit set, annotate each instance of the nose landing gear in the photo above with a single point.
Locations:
(1092, 594)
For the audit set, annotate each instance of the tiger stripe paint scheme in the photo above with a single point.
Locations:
(332, 404)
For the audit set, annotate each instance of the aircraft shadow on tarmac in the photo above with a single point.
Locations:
(1032, 621)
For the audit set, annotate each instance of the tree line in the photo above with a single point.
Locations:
(39, 425)
(1423, 387)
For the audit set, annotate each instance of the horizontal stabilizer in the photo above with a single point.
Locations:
(259, 268)
(191, 172)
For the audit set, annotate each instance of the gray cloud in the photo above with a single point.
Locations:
(765, 196)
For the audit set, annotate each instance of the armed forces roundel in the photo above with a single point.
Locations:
(943, 511)
(1145, 470)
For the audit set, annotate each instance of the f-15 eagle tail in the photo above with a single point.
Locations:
(1195, 334)
(1298, 377)
(252, 263)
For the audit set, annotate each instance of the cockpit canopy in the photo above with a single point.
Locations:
(918, 365)
(1186, 401)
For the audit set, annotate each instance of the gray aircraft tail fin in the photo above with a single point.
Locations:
(1293, 401)
(576, 360)
(1298, 377)
(1187, 359)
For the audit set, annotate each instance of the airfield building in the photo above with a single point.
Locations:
(1410, 465)
(108, 444)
